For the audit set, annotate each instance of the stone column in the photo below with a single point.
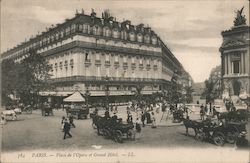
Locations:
(229, 64)
(242, 63)
(225, 58)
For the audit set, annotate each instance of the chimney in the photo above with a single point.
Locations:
(82, 11)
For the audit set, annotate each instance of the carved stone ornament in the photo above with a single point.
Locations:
(240, 19)
(232, 43)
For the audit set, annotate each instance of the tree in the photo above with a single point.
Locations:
(27, 78)
(210, 92)
(9, 80)
(188, 96)
(174, 94)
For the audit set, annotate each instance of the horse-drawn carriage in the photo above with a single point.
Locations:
(78, 112)
(230, 126)
(47, 110)
(112, 128)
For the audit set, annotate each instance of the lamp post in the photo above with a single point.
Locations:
(107, 92)
(87, 95)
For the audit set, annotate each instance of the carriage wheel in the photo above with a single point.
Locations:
(231, 137)
(200, 136)
(118, 136)
(219, 139)
(131, 134)
(106, 133)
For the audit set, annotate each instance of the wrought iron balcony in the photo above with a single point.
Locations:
(102, 79)
(125, 65)
(141, 66)
(107, 63)
(133, 65)
(98, 62)
(148, 67)
(116, 64)
(87, 62)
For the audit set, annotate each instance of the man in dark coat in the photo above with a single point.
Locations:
(143, 117)
(71, 121)
(66, 129)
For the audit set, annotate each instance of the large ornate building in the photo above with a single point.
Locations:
(92, 53)
(235, 58)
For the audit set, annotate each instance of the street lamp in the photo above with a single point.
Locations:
(87, 95)
(107, 92)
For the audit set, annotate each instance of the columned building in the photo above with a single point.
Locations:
(235, 68)
(100, 55)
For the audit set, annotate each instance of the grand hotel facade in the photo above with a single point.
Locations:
(92, 53)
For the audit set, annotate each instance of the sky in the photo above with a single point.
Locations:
(190, 28)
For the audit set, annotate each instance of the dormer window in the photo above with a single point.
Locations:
(147, 39)
(115, 33)
(132, 36)
(85, 28)
(124, 35)
(154, 40)
(107, 32)
(139, 37)
(73, 28)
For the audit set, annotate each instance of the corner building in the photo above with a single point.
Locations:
(91, 53)
(235, 58)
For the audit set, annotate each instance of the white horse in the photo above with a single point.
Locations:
(9, 113)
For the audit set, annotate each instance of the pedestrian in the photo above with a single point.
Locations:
(130, 118)
(106, 114)
(66, 129)
(137, 125)
(148, 117)
(62, 122)
(202, 112)
(71, 121)
(153, 120)
(143, 117)
(116, 109)
(3, 121)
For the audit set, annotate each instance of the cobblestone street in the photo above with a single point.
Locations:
(37, 132)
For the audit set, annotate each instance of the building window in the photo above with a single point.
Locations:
(107, 71)
(124, 59)
(154, 40)
(106, 57)
(147, 39)
(97, 57)
(80, 27)
(115, 33)
(236, 67)
(124, 35)
(67, 30)
(87, 57)
(85, 28)
(73, 28)
(133, 60)
(98, 71)
(116, 58)
(132, 36)
(139, 37)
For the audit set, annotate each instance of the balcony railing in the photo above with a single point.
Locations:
(125, 65)
(107, 63)
(101, 79)
(141, 66)
(98, 62)
(133, 65)
(148, 67)
(87, 62)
